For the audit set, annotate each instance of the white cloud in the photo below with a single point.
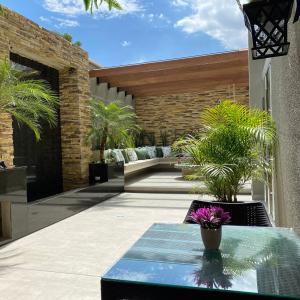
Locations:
(157, 19)
(44, 19)
(76, 7)
(179, 2)
(139, 60)
(125, 43)
(59, 22)
(220, 19)
(65, 23)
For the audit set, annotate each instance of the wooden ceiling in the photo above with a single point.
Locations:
(178, 76)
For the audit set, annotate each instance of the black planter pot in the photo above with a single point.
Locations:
(98, 172)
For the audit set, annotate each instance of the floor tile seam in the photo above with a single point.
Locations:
(49, 271)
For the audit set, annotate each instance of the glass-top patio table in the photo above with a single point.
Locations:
(169, 262)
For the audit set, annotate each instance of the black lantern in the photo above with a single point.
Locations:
(267, 21)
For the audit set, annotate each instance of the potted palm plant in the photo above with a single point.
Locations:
(230, 149)
(112, 124)
(28, 101)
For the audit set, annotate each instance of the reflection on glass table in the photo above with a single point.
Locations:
(169, 262)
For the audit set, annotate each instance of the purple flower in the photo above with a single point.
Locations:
(212, 217)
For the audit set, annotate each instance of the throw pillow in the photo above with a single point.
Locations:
(151, 151)
(159, 152)
(125, 155)
(166, 151)
(132, 155)
(118, 155)
(146, 154)
(108, 155)
(141, 153)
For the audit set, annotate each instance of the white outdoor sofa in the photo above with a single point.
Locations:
(140, 165)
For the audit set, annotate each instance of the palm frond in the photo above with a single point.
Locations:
(28, 101)
(113, 122)
(230, 147)
(90, 4)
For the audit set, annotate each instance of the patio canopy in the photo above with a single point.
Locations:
(178, 76)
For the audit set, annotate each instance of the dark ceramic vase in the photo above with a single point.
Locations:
(211, 238)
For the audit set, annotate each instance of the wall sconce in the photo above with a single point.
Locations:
(267, 21)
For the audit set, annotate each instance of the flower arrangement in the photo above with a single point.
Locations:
(212, 217)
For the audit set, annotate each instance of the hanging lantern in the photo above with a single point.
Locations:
(267, 21)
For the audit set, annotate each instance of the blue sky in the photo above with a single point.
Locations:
(145, 30)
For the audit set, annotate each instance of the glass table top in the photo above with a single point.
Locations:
(260, 260)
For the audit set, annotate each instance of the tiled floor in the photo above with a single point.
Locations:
(66, 260)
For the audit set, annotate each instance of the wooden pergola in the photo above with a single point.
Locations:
(178, 76)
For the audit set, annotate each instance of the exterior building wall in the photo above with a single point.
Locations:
(21, 36)
(179, 114)
(285, 108)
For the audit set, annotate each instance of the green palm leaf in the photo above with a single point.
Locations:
(28, 101)
(230, 147)
(90, 4)
(112, 125)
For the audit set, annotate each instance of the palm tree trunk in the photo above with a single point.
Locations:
(102, 147)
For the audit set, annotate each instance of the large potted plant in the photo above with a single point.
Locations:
(230, 148)
(28, 101)
(112, 124)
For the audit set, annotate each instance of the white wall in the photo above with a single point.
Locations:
(285, 103)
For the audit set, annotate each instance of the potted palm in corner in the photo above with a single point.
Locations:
(230, 149)
(28, 101)
(112, 124)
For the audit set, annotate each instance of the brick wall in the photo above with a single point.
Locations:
(178, 114)
(22, 36)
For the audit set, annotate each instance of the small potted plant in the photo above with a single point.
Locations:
(211, 220)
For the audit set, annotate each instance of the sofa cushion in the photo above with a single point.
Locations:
(151, 151)
(159, 152)
(125, 155)
(131, 154)
(166, 151)
(142, 153)
(117, 153)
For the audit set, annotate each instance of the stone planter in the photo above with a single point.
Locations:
(211, 238)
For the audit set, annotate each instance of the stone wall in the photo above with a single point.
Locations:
(179, 114)
(23, 37)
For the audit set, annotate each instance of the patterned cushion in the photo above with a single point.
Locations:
(125, 155)
(166, 151)
(118, 155)
(142, 153)
(132, 155)
(151, 151)
(108, 154)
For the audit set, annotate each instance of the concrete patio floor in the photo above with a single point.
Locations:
(67, 259)
(167, 182)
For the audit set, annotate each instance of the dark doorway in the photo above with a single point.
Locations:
(42, 158)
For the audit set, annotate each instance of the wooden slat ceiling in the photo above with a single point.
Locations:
(178, 76)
